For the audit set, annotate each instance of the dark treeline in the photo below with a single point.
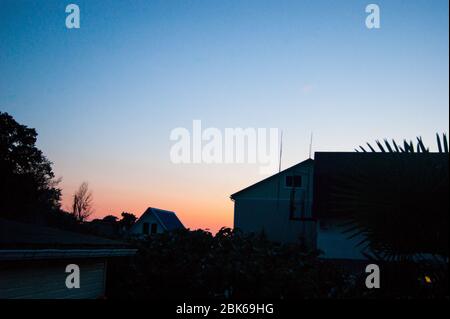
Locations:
(195, 264)
(29, 191)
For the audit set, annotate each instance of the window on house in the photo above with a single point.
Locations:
(145, 228)
(154, 228)
(294, 181)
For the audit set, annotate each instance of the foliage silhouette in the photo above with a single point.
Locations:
(409, 217)
(28, 186)
(127, 220)
(231, 265)
(408, 147)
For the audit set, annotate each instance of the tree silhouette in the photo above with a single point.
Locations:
(27, 183)
(110, 219)
(82, 203)
(128, 220)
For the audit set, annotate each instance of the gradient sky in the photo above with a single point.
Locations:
(104, 98)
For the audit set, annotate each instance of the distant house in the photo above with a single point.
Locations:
(156, 221)
(300, 202)
(33, 261)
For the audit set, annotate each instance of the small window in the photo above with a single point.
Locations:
(294, 181)
(154, 228)
(145, 228)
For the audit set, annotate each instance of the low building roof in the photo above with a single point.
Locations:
(17, 239)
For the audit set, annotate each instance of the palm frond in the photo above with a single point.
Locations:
(408, 188)
(371, 148)
(445, 143)
(411, 146)
(395, 146)
(406, 146)
(380, 146)
(420, 146)
(386, 142)
(438, 140)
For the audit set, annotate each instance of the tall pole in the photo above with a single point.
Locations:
(281, 151)
(279, 170)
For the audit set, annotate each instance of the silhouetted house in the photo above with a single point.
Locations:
(280, 206)
(33, 261)
(156, 221)
(310, 200)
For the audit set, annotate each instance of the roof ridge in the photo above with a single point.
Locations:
(271, 176)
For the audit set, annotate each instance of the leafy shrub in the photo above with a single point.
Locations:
(230, 264)
(195, 264)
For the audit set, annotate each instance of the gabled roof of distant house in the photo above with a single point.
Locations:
(306, 162)
(169, 220)
(22, 241)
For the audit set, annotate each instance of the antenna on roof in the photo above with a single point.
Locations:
(279, 170)
(281, 151)
(310, 145)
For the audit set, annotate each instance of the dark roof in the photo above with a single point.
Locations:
(308, 161)
(168, 219)
(16, 235)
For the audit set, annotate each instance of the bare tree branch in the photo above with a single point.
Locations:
(82, 203)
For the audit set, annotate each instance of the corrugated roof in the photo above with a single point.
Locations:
(21, 235)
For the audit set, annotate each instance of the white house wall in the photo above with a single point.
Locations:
(257, 209)
(266, 207)
(272, 218)
(47, 280)
(137, 228)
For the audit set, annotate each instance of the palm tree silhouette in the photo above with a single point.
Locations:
(398, 205)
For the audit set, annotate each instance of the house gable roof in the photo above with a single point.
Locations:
(168, 220)
(304, 163)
